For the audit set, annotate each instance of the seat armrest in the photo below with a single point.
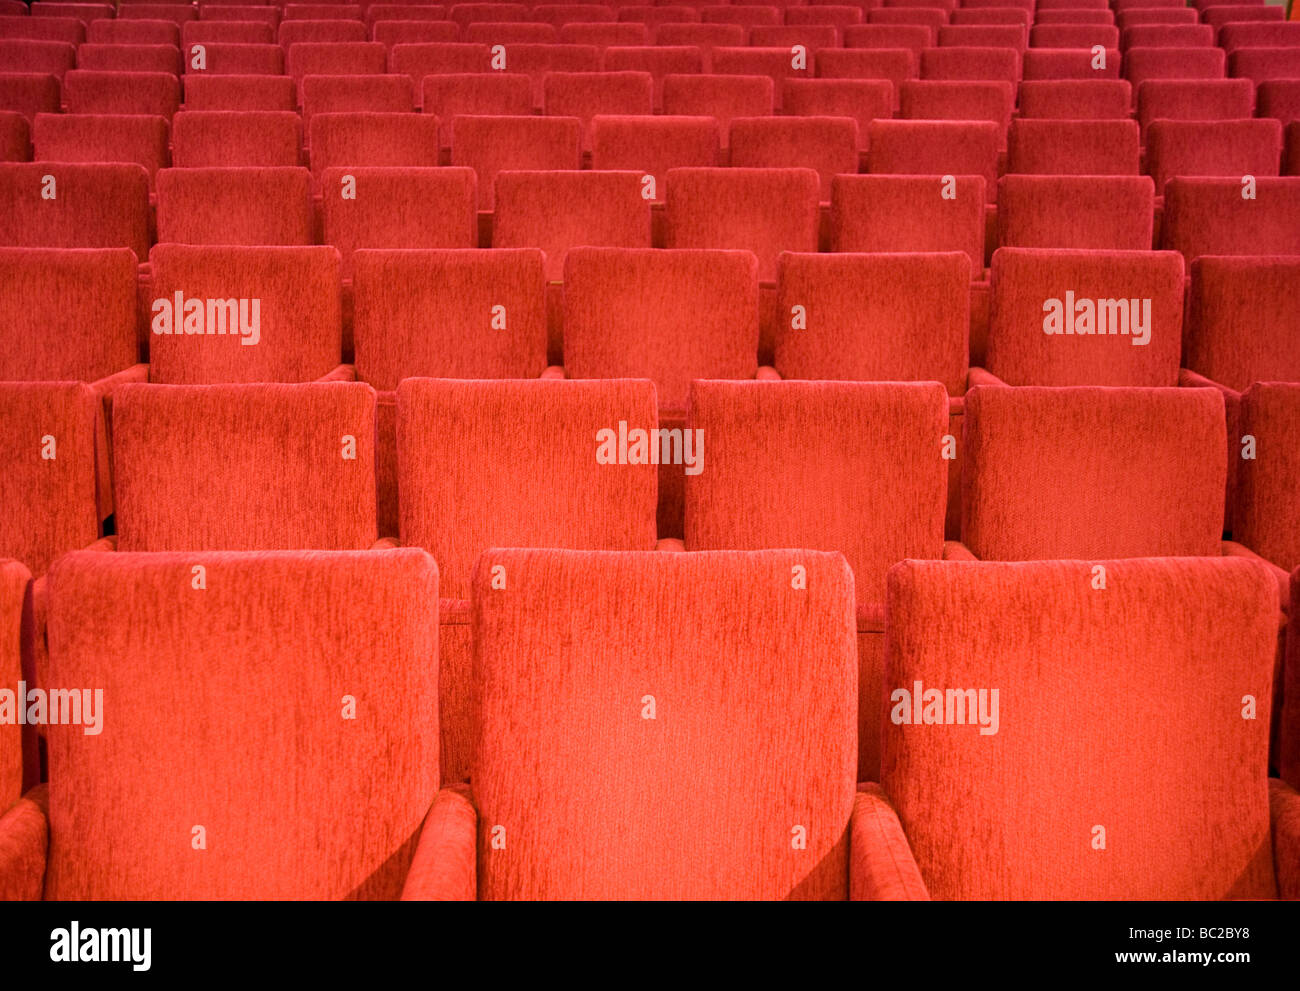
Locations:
(766, 373)
(343, 373)
(552, 372)
(24, 844)
(955, 550)
(1284, 812)
(444, 867)
(385, 544)
(1233, 549)
(881, 865)
(671, 544)
(981, 376)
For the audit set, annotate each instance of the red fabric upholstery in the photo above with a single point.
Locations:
(863, 100)
(191, 464)
(1069, 63)
(300, 334)
(357, 625)
(1243, 321)
(776, 63)
(1213, 148)
(1021, 353)
(341, 58)
(1168, 36)
(983, 36)
(15, 137)
(244, 138)
(1074, 36)
(1151, 462)
(1075, 99)
(351, 94)
(893, 64)
(14, 579)
(133, 32)
(706, 37)
(828, 145)
(1289, 728)
(1267, 514)
(604, 35)
(69, 30)
(235, 206)
(30, 93)
(1194, 99)
(24, 838)
(373, 139)
(923, 99)
(720, 97)
(414, 32)
(232, 92)
(1212, 217)
(490, 145)
(96, 206)
(750, 716)
(420, 59)
(102, 138)
(905, 213)
(28, 55)
(935, 147)
(1182, 800)
(129, 58)
(534, 481)
(489, 94)
(654, 144)
(234, 58)
(1073, 147)
(1060, 211)
(585, 94)
(239, 32)
(1258, 34)
(398, 208)
(1279, 99)
(765, 211)
(911, 36)
(1141, 64)
(971, 63)
(87, 91)
(296, 32)
(660, 61)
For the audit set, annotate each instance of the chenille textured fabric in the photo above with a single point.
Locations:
(666, 315)
(852, 467)
(746, 15)
(235, 206)
(752, 683)
(398, 208)
(1020, 353)
(556, 211)
(1120, 710)
(813, 37)
(1068, 63)
(490, 145)
(510, 33)
(585, 94)
(30, 93)
(971, 63)
(897, 213)
(90, 91)
(936, 147)
(236, 92)
(1194, 99)
(1289, 723)
(1167, 36)
(241, 32)
(475, 93)
(49, 502)
(896, 65)
(875, 317)
(245, 467)
(294, 32)
(102, 138)
(828, 145)
(1232, 148)
(762, 210)
(1092, 472)
(706, 37)
(722, 97)
(15, 137)
(300, 313)
(14, 579)
(1212, 217)
(311, 635)
(24, 838)
(1075, 99)
(96, 206)
(124, 31)
(1072, 147)
(1074, 35)
(1258, 35)
(66, 29)
(1141, 64)
(129, 58)
(30, 55)
(885, 36)
(443, 868)
(602, 34)
(378, 93)
(1267, 513)
(653, 145)
(863, 100)
(66, 314)
(774, 63)
(238, 59)
(334, 58)
(430, 58)
(882, 867)
(218, 12)
(1262, 64)
(1243, 321)
(1065, 211)
(373, 139)
(232, 138)
(537, 60)
(987, 36)
(534, 481)
(962, 99)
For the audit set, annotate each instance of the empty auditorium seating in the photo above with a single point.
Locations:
(1266, 513)
(1073, 147)
(1213, 148)
(69, 30)
(720, 97)
(360, 618)
(30, 93)
(249, 138)
(15, 137)
(227, 12)
(298, 31)
(1070, 63)
(14, 580)
(1194, 99)
(347, 94)
(320, 11)
(1218, 16)
(1279, 99)
(373, 139)
(177, 13)
(1168, 36)
(239, 32)
(191, 464)
(660, 61)
(893, 64)
(604, 35)
(585, 94)
(235, 206)
(1046, 16)
(536, 60)
(740, 782)
(1212, 623)
(776, 63)
(1074, 36)
(1260, 64)
(1075, 99)
(492, 94)
(982, 36)
(490, 145)
(1021, 351)
(94, 206)
(910, 36)
(392, 33)
(236, 92)
(1231, 217)
(397, 208)
(493, 33)
(288, 308)
(535, 481)
(935, 147)
(1257, 34)
(862, 100)
(653, 145)
(1063, 211)
(31, 55)
(1141, 64)
(923, 99)
(909, 213)
(89, 91)
(234, 57)
(706, 37)
(780, 453)
(828, 145)
(134, 138)
(129, 58)
(971, 63)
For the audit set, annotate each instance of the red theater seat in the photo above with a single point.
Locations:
(1113, 212)
(910, 36)
(1261, 64)
(971, 63)
(27, 55)
(1279, 99)
(746, 15)
(1194, 99)
(1231, 217)
(996, 15)
(1070, 63)
(237, 32)
(1266, 516)
(653, 145)
(935, 147)
(373, 139)
(30, 93)
(862, 100)
(235, 92)
(95, 206)
(585, 94)
(469, 13)
(983, 36)
(1258, 34)
(129, 58)
(1074, 36)
(393, 33)
(777, 63)
(177, 13)
(1167, 36)
(476, 94)
(320, 12)
(319, 32)
(89, 91)
(720, 97)
(69, 30)
(228, 12)
(1141, 64)
(297, 322)
(907, 213)
(14, 580)
(828, 145)
(1211, 623)
(705, 37)
(236, 138)
(137, 139)
(780, 453)
(838, 15)
(234, 58)
(15, 137)
(604, 35)
(352, 94)
(235, 206)
(490, 145)
(491, 33)
(1073, 147)
(991, 100)
(535, 482)
(1213, 148)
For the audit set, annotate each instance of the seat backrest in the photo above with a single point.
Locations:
(1075, 99)
(935, 147)
(651, 145)
(14, 579)
(762, 747)
(237, 138)
(1235, 148)
(193, 464)
(1194, 99)
(1266, 515)
(244, 314)
(98, 205)
(1073, 147)
(490, 145)
(898, 317)
(90, 91)
(853, 467)
(1090, 472)
(1177, 809)
(885, 213)
(300, 630)
(66, 315)
(828, 145)
(667, 315)
(538, 477)
(373, 139)
(1049, 305)
(1243, 320)
(235, 206)
(235, 92)
(393, 93)
(1062, 211)
(134, 138)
